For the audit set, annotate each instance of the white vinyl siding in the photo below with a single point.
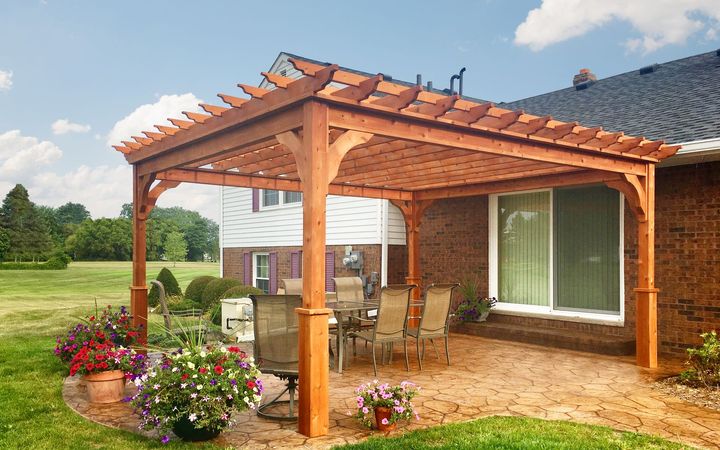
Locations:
(350, 220)
(396, 226)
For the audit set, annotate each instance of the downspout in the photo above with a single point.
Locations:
(384, 220)
(221, 239)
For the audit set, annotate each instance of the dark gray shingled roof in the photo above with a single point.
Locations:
(678, 102)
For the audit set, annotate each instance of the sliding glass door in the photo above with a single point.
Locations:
(558, 250)
(524, 248)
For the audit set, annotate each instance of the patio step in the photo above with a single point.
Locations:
(550, 337)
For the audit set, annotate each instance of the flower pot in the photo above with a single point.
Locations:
(381, 413)
(483, 316)
(185, 430)
(105, 387)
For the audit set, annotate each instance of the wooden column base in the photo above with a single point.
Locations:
(646, 327)
(139, 312)
(313, 396)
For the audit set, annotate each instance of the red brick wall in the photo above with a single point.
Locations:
(454, 242)
(687, 253)
(233, 260)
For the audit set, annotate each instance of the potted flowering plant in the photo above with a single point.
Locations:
(385, 403)
(473, 307)
(105, 367)
(115, 326)
(194, 392)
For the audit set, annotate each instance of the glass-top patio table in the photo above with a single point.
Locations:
(343, 310)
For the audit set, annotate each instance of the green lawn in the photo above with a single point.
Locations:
(35, 306)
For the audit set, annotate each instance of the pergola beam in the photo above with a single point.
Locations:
(401, 127)
(215, 178)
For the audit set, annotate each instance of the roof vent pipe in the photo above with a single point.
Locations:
(452, 83)
(460, 88)
(429, 86)
(418, 79)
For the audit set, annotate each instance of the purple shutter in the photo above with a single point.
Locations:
(329, 271)
(256, 200)
(273, 273)
(247, 269)
(295, 265)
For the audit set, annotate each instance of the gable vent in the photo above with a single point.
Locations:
(648, 69)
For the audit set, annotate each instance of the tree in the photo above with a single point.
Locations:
(71, 214)
(48, 216)
(4, 243)
(28, 234)
(175, 247)
(102, 239)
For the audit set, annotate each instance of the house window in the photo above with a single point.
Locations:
(558, 251)
(271, 198)
(261, 271)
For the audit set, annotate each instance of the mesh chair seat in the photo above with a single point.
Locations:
(434, 322)
(276, 346)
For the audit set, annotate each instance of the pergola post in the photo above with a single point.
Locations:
(139, 289)
(313, 414)
(646, 292)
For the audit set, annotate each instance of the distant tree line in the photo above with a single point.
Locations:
(30, 232)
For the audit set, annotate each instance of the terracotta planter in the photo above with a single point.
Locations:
(185, 430)
(381, 413)
(105, 387)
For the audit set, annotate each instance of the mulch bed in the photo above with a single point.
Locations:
(701, 396)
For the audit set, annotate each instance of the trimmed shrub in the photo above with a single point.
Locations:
(215, 289)
(197, 286)
(241, 292)
(54, 263)
(169, 282)
(704, 362)
(180, 303)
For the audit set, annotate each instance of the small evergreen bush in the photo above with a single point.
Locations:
(197, 286)
(180, 303)
(215, 289)
(704, 362)
(241, 291)
(169, 282)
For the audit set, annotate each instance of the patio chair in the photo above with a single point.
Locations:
(291, 286)
(276, 347)
(434, 322)
(185, 331)
(390, 325)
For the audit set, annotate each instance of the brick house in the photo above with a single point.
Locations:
(561, 261)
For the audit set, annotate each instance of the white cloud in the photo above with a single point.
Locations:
(102, 189)
(146, 116)
(21, 155)
(64, 126)
(5, 80)
(660, 22)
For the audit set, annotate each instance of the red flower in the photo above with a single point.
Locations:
(92, 318)
(250, 384)
(234, 349)
(202, 370)
(89, 366)
(219, 370)
(99, 356)
(184, 377)
(103, 365)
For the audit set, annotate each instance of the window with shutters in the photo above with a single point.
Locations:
(261, 271)
(271, 198)
(558, 252)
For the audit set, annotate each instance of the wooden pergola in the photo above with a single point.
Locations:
(337, 132)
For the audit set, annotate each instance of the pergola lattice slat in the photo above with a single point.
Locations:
(333, 131)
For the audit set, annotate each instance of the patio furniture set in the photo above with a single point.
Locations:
(390, 319)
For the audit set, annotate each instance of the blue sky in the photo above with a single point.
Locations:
(93, 64)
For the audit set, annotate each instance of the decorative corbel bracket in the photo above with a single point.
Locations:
(633, 188)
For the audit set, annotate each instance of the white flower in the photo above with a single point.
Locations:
(190, 365)
(199, 387)
(203, 354)
(192, 417)
(223, 349)
(183, 385)
(175, 369)
(195, 376)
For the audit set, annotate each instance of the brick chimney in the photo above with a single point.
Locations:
(585, 76)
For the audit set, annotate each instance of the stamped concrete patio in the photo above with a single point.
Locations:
(487, 377)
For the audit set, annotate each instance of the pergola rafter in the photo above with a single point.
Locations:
(334, 131)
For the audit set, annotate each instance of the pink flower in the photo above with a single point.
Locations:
(365, 410)
(385, 421)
